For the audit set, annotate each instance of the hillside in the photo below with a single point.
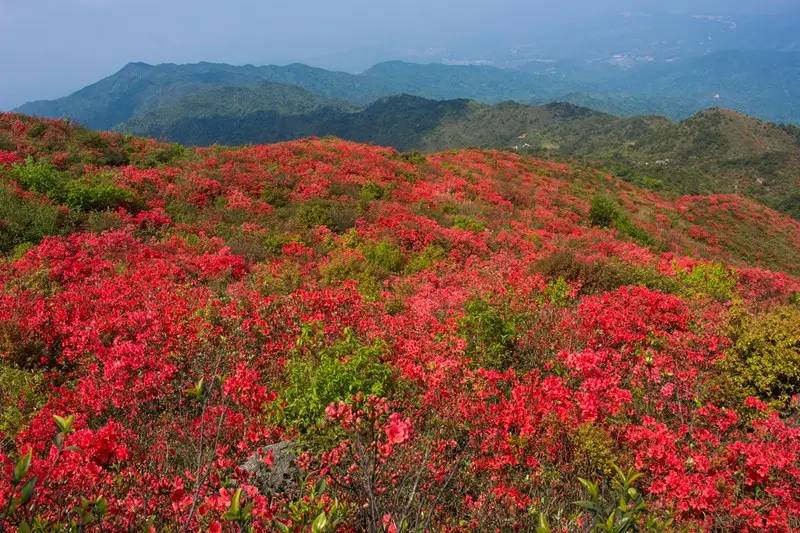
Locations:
(715, 151)
(329, 333)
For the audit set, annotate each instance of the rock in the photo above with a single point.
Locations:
(279, 476)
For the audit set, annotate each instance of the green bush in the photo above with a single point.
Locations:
(764, 359)
(383, 258)
(629, 229)
(415, 158)
(315, 213)
(318, 375)
(557, 291)
(491, 337)
(37, 130)
(713, 280)
(603, 276)
(592, 451)
(41, 177)
(21, 394)
(166, 154)
(275, 195)
(618, 506)
(603, 212)
(425, 259)
(371, 191)
(26, 221)
(468, 224)
(98, 193)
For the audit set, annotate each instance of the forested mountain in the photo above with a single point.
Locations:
(760, 83)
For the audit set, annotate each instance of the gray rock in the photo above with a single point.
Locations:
(282, 476)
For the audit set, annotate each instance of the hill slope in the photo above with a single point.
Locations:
(322, 331)
(715, 151)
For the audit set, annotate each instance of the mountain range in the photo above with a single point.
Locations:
(759, 83)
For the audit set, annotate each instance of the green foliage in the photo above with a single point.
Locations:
(712, 280)
(21, 394)
(41, 177)
(384, 257)
(6, 142)
(490, 336)
(415, 158)
(628, 228)
(557, 291)
(425, 259)
(275, 195)
(621, 508)
(603, 276)
(163, 155)
(593, 451)
(314, 213)
(371, 191)
(98, 193)
(603, 212)
(36, 130)
(314, 511)
(764, 359)
(467, 223)
(318, 375)
(25, 220)
(238, 513)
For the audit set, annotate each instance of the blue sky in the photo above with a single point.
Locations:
(51, 47)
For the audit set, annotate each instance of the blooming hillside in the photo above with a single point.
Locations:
(330, 336)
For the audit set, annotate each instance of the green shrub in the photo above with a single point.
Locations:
(384, 257)
(425, 259)
(41, 177)
(6, 142)
(415, 158)
(764, 359)
(603, 276)
(713, 280)
(593, 451)
(468, 224)
(21, 394)
(275, 195)
(491, 337)
(37, 130)
(318, 375)
(557, 291)
(618, 506)
(312, 214)
(25, 220)
(165, 154)
(629, 229)
(603, 212)
(98, 193)
(93, 147)
(371, 191)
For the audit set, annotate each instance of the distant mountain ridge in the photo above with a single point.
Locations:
(760, 83)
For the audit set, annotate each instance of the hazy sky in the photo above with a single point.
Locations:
(49, 48)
